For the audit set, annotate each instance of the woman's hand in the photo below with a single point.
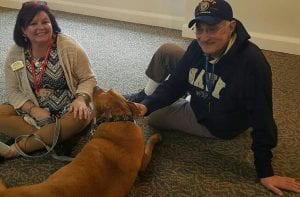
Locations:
(39, 113)
(80, 108)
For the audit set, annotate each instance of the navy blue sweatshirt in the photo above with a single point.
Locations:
(241, 95)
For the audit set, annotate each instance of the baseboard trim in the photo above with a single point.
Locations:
(15, 4)
(264, 41)
(134, 16)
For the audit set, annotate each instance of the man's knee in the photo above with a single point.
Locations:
(171, 50)
(153, 121)
(164, 61)
(158, 118)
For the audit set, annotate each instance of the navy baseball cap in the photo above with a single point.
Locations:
(212, 12)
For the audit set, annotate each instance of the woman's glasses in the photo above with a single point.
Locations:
(28, 3)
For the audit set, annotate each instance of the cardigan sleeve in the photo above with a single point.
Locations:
(16, 82)
(76, 65)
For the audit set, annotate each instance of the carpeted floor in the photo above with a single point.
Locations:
(182, 165)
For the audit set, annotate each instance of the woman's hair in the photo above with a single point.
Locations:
(26, 14)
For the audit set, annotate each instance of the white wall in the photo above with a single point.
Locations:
(163, 13)
(273, 24)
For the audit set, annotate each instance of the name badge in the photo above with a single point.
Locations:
(17, 65)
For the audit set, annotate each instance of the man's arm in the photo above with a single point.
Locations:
(177, 84)
(264, 133)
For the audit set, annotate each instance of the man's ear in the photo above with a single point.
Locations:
(232, 26)
(134, 110)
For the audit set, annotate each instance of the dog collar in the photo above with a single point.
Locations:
(112, 119)
(115, 119)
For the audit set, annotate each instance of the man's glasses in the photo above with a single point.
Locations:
(28, 3)
(199, 28)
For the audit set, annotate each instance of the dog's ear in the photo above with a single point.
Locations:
(115, 93)
(134, 110)
(97, 91)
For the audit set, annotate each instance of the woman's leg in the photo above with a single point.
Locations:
(12, 124)
(68, 128)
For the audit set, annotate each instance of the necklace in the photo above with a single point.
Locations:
(38, 79)
(210, 80)
(38, 62)
(209, 77)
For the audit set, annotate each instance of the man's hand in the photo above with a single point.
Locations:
(276, 183)
(142, 108)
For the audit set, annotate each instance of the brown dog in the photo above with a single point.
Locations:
(107, 165)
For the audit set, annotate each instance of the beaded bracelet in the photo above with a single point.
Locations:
(84, 95)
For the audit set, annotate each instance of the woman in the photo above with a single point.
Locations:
(48, 76)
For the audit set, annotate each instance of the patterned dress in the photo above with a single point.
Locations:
(59, 97)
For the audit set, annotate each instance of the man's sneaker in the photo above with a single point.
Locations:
(136, 97)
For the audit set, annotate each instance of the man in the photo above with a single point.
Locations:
(230, 84)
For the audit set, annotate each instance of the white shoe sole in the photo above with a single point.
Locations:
(4, 149)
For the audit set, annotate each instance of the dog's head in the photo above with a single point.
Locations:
(111, 103)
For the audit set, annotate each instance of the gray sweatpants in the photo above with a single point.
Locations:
(179, 115)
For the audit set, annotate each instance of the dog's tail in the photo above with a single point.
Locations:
(148, 150)
(2, 186)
